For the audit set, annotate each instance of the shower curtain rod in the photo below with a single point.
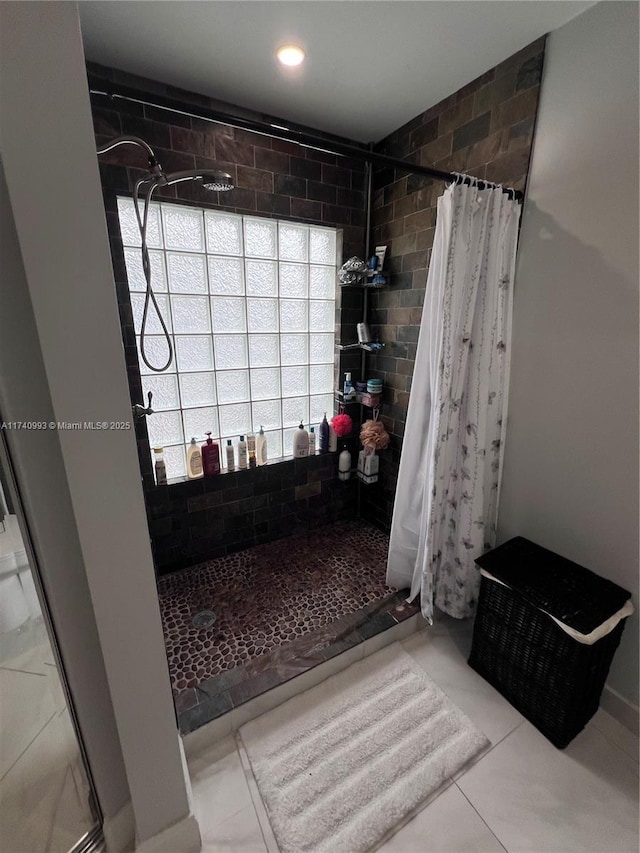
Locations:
(287, 134)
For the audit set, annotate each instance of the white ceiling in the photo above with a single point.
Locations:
(371, 64)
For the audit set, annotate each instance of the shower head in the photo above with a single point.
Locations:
(211, 179)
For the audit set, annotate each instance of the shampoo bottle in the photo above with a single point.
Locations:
(230, 457)
(324, 435)
(348, 390)
(261, 448)
(194, 461)
(300, 442)
(333, 440)
(242, 453)
(159, 466)
(210, 457)
(344, 464)
(312, 441)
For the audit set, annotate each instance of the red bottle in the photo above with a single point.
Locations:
(210, 457)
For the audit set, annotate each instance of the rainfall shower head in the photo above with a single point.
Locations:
(211, 180)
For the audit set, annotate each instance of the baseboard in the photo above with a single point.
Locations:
(621, 709)
(182, 837)
(119, 830)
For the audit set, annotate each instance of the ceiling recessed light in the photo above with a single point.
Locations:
(290, 54)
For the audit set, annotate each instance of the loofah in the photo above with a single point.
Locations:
(342, 425)
(374, 436)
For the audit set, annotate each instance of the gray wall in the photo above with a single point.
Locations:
(51, 169)
(571, 465)
(37, 460)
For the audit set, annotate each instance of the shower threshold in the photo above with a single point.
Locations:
(281, 609)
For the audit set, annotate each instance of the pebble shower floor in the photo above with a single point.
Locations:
(268, 596)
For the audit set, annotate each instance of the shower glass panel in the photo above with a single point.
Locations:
(46, 800)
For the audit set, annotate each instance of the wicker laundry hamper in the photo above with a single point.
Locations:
(553, 675)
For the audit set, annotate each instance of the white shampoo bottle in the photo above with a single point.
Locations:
(300, 442)
(344, 464)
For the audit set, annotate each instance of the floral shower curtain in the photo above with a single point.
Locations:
(446, 505)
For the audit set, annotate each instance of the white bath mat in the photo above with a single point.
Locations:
(344, 764)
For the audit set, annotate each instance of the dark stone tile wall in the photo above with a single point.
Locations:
(274, 179)
(486, 130)
(203, 519)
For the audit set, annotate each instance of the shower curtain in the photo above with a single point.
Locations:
(446, 504)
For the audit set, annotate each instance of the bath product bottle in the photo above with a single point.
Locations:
(242, 453)
(333, 440)
(344, 464)
(312, 441)
(251, 443)
(210, 457)
(324, 435)
(159, 466)
(252, 459)
(261, 448)
(348, 390)
(230, 457)
(300, 442)
(194, 461)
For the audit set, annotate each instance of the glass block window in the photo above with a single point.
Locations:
(250, 307)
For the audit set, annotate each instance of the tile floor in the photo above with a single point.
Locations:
(522, 796)
(280, 609)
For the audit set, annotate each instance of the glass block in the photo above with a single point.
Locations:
(235, 420)
(197, 389)
(233, 386)
(227, 314)
(294, 281)
(321, 378)
(293, 242)
(287, 441)
(135, 276)
(322, 282)
(293, 315)
(321, 348)
(183, 229)
(321, 316)
(190, 314)
(194, 353)
(153, 322)
(264, 350)
(294, 349)
(129, 224)
(164, 428)
(294, 410)
(262, 278)
(175, 461)
(230, 351)
(186, 273)
(224, 233)
(295, 381)
(165, 391)
(274, 444)
(322, 246)
(319, 404)
(265, 383)
(263, 315)
(259, 238)
(226, 276)
(156, 351)
(197, 422)
(266, 413)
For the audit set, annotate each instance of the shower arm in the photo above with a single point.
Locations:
(154, 166)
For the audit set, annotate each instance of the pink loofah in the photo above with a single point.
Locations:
(374, 436)
(342, 425)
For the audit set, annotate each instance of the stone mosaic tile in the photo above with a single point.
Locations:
(298, 596)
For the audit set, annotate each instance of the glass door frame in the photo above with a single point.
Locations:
(93, 839)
